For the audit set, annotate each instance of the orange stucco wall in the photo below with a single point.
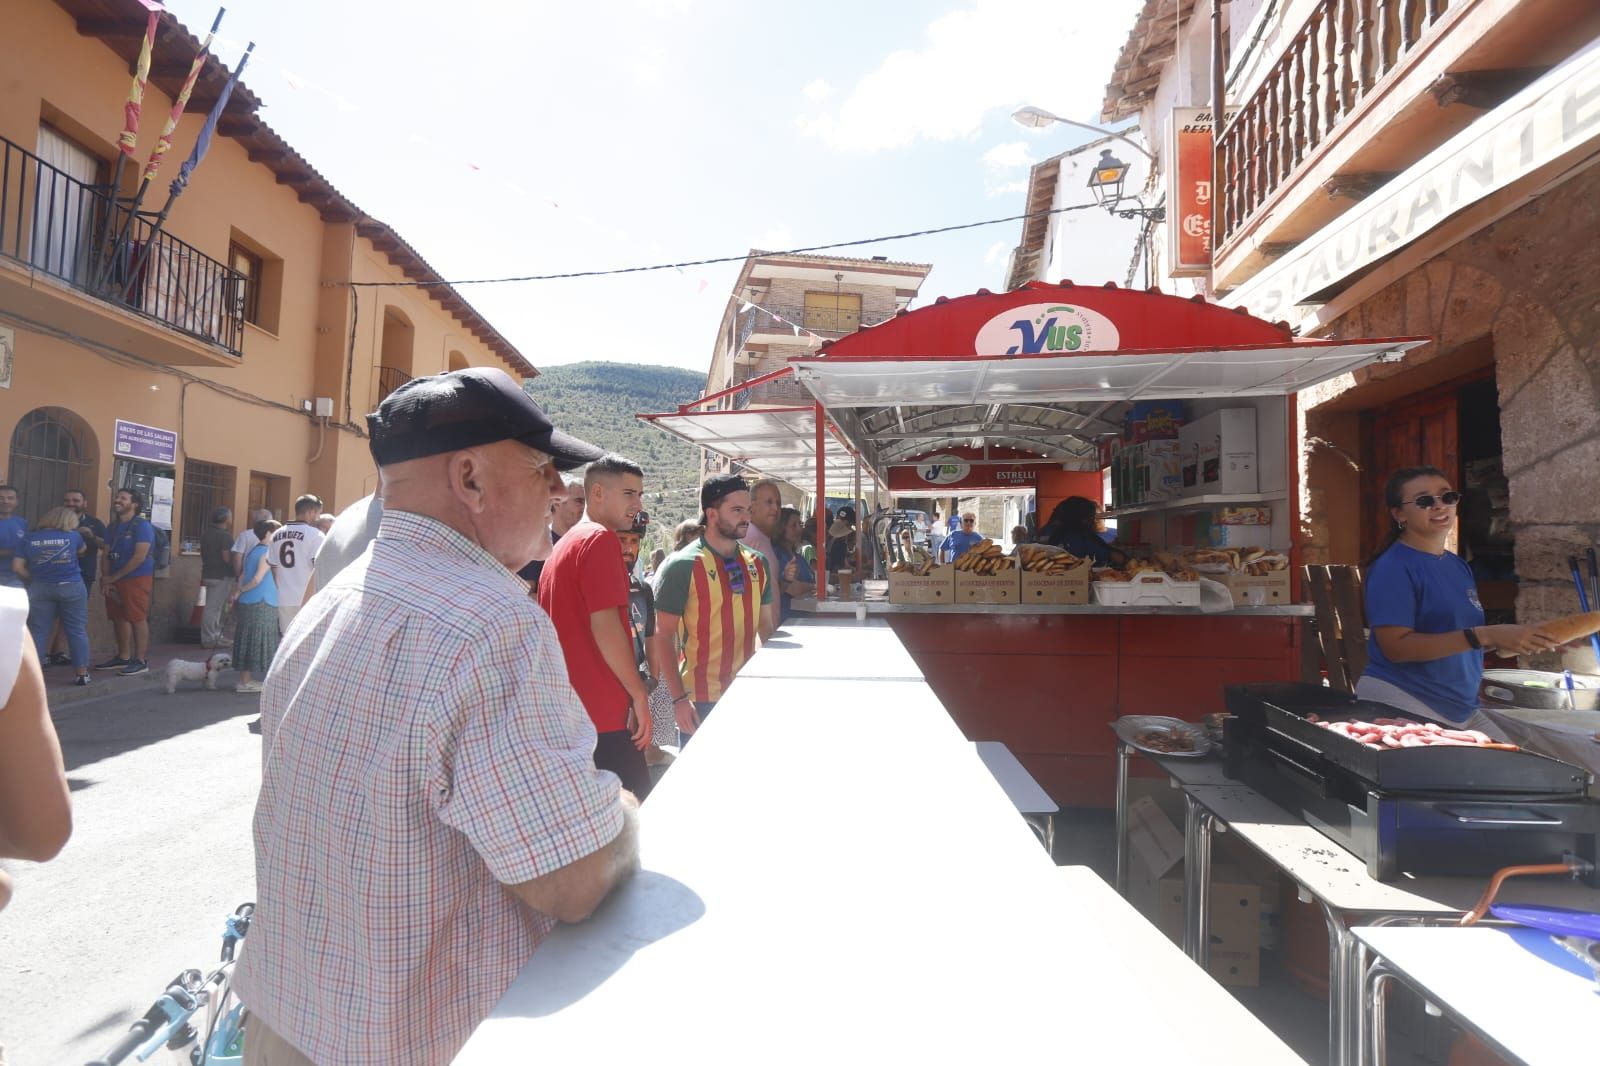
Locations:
(258, 425)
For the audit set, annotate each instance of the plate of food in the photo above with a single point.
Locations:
(1154, 734)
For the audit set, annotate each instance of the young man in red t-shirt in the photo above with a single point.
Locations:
(584, 590)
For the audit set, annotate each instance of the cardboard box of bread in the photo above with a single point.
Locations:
(985, 574)
(918, 580)
(1051, 575)
(1256, 577)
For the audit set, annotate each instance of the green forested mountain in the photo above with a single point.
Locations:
(597, 401)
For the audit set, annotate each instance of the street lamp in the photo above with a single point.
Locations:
(1109, 173)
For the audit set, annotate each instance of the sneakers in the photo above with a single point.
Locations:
(112, 664)
(248, 687)
(81, 680)
(60, 658)
(135, 666)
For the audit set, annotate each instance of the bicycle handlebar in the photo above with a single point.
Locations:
(137, 1034)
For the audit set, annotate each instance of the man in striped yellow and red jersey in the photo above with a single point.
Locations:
(711, 596)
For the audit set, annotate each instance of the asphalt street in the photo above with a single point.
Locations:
(163, 791)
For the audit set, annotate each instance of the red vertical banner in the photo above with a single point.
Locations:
(1189, 175)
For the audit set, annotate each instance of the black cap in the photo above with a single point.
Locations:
(465, 409)
(641, 524)
(716, 489)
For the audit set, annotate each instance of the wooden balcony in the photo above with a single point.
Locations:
(1364, 89)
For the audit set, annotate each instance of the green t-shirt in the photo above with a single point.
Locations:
(718, 600)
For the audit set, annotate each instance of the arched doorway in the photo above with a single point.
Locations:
(457, 361)
(52, 450)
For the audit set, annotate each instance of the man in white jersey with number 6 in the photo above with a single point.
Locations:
(292, 552)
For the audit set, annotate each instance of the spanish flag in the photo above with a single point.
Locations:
(141, 74)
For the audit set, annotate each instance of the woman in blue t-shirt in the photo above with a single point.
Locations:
(1425, 655)
(47, 559)
(255, 613)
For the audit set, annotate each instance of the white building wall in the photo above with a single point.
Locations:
(1092, 246)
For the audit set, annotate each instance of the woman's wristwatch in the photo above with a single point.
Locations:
(682, 698)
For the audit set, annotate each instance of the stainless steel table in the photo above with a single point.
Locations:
(1323, 872)
(1516, 989)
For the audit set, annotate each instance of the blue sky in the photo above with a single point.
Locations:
(504, 138)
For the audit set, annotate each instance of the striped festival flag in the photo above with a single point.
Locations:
(202, 143)
(160, 150)
(141, 74)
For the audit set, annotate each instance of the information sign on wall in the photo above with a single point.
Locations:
(148, 443)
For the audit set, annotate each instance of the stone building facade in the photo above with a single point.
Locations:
(1525, 292)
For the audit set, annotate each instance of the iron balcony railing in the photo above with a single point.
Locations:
(780, 318)
(68, 229)
(389, 379)
(1341, 53)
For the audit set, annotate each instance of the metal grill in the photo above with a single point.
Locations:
(206, 486)
(52, 450)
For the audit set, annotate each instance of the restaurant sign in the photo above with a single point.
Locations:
(1189, 191)
(153, 445)
(1047, 328)
(1551, 118)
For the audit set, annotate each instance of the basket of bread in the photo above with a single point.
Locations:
(1163, 579)
(1253, 576)
(985, 558)
(1052, 575)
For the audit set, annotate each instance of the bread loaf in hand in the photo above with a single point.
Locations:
(1572, 627)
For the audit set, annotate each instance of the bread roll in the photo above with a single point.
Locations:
(1572, 627)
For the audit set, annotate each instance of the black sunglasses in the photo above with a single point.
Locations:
(969, 521)
(1427, 499)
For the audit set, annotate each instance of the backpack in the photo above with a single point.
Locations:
(161, 550)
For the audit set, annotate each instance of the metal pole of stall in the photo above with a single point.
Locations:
(858, 504)
(821, 514)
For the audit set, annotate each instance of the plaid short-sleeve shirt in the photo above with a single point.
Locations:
(421, 747)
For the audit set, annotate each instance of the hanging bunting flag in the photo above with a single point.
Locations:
(202, 143)
(141, 74)
(160, 150)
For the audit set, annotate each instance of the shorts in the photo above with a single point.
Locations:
(132, 602)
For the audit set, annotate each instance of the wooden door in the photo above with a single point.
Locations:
(1420, 431)
(258, 493)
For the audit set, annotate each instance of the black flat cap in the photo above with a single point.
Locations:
(465, 409)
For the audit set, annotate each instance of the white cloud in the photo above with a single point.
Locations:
(1008, 156)
(777, 239)
(997, 251)
(1009, 188)
(817, 91)
(996, 54)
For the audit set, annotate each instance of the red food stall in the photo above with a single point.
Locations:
(1031, 387)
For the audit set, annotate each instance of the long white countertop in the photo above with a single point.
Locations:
(874, 608)
(858, 888)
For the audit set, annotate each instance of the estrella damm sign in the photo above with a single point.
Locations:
(1047, 329)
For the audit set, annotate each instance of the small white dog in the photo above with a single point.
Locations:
(205, 673)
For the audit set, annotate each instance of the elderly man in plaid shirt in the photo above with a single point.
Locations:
(429, 802)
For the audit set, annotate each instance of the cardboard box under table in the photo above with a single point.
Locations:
(936, 586)
(1003, 587)
(1069, 587)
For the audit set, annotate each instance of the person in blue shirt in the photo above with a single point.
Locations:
(1425, 652)
(795, 576)
(964, 539)
(130, 568)
(48, 560)
(13, 528)
(1074, 527)
(255, 613)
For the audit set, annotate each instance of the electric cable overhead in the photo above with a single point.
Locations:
(411, 284)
